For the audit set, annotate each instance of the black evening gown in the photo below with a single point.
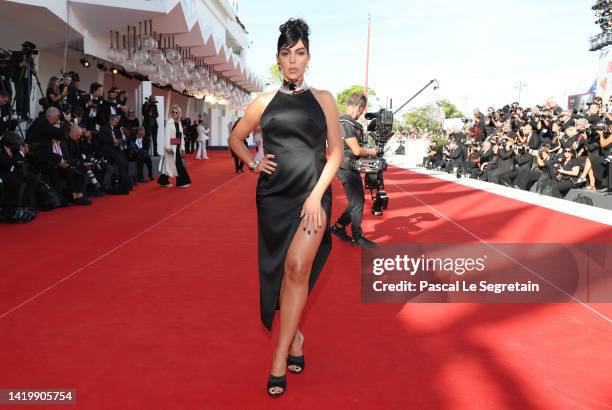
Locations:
(295, 131)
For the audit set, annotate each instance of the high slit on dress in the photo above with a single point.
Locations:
(295, 131)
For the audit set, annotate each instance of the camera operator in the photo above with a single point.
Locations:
(352, 134)
(149, 122)
(137, 152)
(23, 69)
(19, 182)
(108, 146)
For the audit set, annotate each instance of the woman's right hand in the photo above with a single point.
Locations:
(266, 165)
(169, 150)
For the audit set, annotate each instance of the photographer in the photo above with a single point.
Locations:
(111, 106)
(67, 171)
(108, 145)
(523, 160)
(137, 152)
(505, 161)
(92, 105)
(352, 134)
(598, 164)
(566, 120)
(19, 183)
(82, 164)
(44, 134)
(23, 69)
(149, 122)
(564, 174)
(433, 157)
(456, 156)
(529, 137)
(527, 177)
(54, 96)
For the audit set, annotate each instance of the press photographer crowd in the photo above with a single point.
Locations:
(542, 149)
(78, 148)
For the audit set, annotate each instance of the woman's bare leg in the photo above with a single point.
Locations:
(294, 292)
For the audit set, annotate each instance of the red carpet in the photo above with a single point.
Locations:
(150, 301)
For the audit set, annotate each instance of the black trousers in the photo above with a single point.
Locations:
(70, 177)
(118, 159)
(508, 177)
(183, 176)
(526, 178)
(141, 161)
(559, 188)
(151, 137)
(353, 187)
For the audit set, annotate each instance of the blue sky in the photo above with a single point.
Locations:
(478, 50)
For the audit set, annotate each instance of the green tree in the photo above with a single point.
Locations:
(342, 96)
(275, 76)
(423, 118)
(450, 110)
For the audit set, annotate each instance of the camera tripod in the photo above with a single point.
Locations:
(18, 87)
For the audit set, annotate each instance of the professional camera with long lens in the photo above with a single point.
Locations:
(380, 130)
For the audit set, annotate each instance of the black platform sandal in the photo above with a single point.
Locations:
(297, 362)
(277, 381)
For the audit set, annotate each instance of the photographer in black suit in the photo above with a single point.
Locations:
(108, 146)
(137, 152)
(44, 134)
(68, 172)
(92, 105)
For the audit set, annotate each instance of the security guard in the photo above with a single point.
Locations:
(352, 133)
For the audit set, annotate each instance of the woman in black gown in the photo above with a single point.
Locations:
(293, 193)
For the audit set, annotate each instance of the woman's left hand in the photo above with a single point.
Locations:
(182, 152)
(311, 214)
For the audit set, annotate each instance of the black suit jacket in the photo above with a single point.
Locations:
(41, 134)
